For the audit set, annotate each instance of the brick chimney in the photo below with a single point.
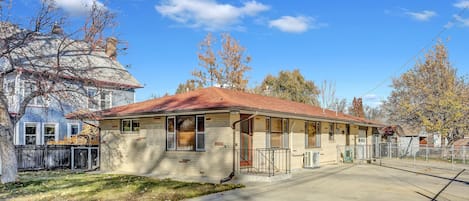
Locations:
(56, 29)
(111, 47)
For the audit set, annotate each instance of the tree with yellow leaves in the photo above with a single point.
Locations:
(431, 96)
(224, 68)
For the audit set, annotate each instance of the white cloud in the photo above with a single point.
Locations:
(77, 7)
(297, 24)
(421, 16)
(208, 14)
(462, 4)
(464, 21)
(371, 97)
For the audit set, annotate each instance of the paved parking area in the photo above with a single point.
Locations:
(356, 182)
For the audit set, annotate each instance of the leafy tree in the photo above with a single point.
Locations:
(357, 108)
(226, 68)
(289, 85)
(190, 85)
(431, 96)
(27, 52)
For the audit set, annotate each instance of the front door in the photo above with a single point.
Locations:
(246, 142)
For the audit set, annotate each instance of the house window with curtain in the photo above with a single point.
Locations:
(130, 126)
(185, 133)
(313, 136)
(278, 133)
(49, 132)
(30, 133)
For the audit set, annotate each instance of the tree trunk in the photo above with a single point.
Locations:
(8, 157)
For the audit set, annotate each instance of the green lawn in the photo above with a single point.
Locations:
(65, 185)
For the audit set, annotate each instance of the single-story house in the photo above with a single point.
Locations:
(215, 132)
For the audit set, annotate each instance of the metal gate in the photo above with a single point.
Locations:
(85, 158)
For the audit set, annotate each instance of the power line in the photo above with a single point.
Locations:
(445, 28)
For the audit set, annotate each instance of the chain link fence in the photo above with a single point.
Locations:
(452, 157)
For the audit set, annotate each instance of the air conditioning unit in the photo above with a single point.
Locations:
(311, 159)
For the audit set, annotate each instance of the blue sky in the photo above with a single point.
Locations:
(359, 45)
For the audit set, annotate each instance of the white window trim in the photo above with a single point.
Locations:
(38, 132)
(33, 102)
(197, 133)
(131, 128)
(174, 133)
(69, 129)
(97, 98)
(56, 134)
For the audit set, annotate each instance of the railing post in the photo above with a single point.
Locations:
(273, 163)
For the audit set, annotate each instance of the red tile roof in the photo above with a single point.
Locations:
(217, 98)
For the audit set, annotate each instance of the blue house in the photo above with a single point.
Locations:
(44, 120)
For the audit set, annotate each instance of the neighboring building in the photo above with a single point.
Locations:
(190, 135)
(44, 119)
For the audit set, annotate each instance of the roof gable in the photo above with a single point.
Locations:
(42, 52)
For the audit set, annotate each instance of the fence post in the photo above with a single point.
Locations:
(46, 155)
(464, 154)
(426, 152)
(72, 158)
(389, 150)
(452, 156)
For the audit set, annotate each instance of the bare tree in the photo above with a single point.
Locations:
(327, 95)
(57, 69)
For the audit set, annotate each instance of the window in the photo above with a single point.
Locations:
(186, 133)
(30, 133)
(73, 129)
(28, 89)
(99, 100)
(313, 136)
(278, 133)
(200, 138)
(171, 134)
(105, 100)
(331, 131)
(49, 132)
(130, 126)
(10, 88)
(92, 103)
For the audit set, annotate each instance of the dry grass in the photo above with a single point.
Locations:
(64, 185)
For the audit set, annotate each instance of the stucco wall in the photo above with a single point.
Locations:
(145, 153)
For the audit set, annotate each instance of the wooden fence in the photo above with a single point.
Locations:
(47, 157)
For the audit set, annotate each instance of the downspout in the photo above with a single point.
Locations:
(233, 126)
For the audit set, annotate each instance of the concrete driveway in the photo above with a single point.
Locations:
(355, 182)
